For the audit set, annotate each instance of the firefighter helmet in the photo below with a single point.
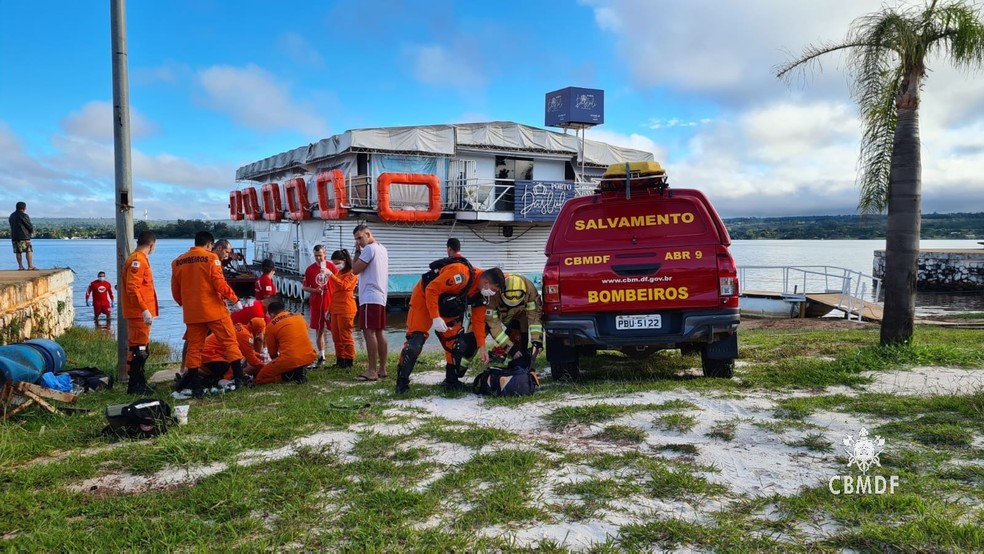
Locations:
(515, 291)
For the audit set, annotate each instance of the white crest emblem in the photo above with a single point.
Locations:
(135, 263)
(864, 451)
(217, 262)
(458, 279)
(321, 279)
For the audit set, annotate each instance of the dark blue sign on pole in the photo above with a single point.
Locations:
(575, 107)
(541, 200)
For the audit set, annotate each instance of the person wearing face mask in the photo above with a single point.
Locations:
(439, 302)
(102, 298)
(514, 315)
(343, 308)
(318, 284)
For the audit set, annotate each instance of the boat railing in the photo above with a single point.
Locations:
(855, 288)
(458, 194)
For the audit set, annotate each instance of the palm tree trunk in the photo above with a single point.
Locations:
(904, 215)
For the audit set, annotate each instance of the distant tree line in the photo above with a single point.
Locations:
(106, 229)
(820, 227)
(957, 226)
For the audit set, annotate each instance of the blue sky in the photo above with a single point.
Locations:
(216, 84)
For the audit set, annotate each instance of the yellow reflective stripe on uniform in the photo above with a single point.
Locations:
(501, 338)
(536, 329)
(530, 306)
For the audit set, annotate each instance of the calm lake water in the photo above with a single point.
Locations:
(87, 257)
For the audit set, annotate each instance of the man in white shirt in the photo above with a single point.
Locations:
(372, 266)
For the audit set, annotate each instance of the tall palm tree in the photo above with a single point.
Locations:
(887, 54)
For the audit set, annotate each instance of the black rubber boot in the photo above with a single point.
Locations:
(137, 383)
(192, 381)
(451, 381)
(238, 378)
(408, 358)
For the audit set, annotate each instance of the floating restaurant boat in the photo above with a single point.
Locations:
(496, 187)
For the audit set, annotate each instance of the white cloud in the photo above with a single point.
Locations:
(789, 159)
(95, 120)
(656, 123)
(457, 67)
(169, 73)
(728, 50)
(632, 140)
(775, 149)
(77, 177)
(297, 48)
(255, 98)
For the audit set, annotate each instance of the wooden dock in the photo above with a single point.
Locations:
(870, 312)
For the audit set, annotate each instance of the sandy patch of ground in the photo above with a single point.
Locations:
(927, 381)
(758, 462)
(813, 324)
(170, 477)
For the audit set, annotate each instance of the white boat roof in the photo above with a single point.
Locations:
(445, 140)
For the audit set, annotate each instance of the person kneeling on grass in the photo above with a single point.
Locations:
(290, 346)
(216, 366)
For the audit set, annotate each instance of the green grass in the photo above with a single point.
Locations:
(969, 315)
(680, 423)
(399, 490)
(724, 430)
(814, 442)
(622, 433)
(597, 413)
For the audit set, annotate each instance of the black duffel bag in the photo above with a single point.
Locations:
(140, 419)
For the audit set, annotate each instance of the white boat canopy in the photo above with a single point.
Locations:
(446, 140)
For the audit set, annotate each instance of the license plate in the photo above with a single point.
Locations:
(637, 322)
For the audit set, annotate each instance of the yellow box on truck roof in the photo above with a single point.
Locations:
(636, 169)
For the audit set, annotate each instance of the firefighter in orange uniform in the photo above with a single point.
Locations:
(290, 346)
(343, 308)
(439, 302)
(139, 301)
(215, 362)
(200, 288)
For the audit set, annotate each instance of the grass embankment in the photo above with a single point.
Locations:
(641, 455)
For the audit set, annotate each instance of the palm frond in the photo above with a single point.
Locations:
(878, 119)
(958, 32)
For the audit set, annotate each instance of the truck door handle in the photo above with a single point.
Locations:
(627, 270)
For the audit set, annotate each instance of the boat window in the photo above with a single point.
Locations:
(507, 171)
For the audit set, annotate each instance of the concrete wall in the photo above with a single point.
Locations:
(35, 304)
(944, 270)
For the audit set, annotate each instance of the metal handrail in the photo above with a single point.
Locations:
(852, 283)
(458, 194)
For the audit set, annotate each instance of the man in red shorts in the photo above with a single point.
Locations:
(371, 264)
(102, 298)
(316, 283)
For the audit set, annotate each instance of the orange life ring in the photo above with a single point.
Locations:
(433, 185)
(236, 205)
(336, 179)
(251, 204)
(297, 199)
(273, 207)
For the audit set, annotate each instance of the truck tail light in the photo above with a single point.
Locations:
(551, 284)
(728, 279)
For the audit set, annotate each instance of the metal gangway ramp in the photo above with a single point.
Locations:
(849, 291)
